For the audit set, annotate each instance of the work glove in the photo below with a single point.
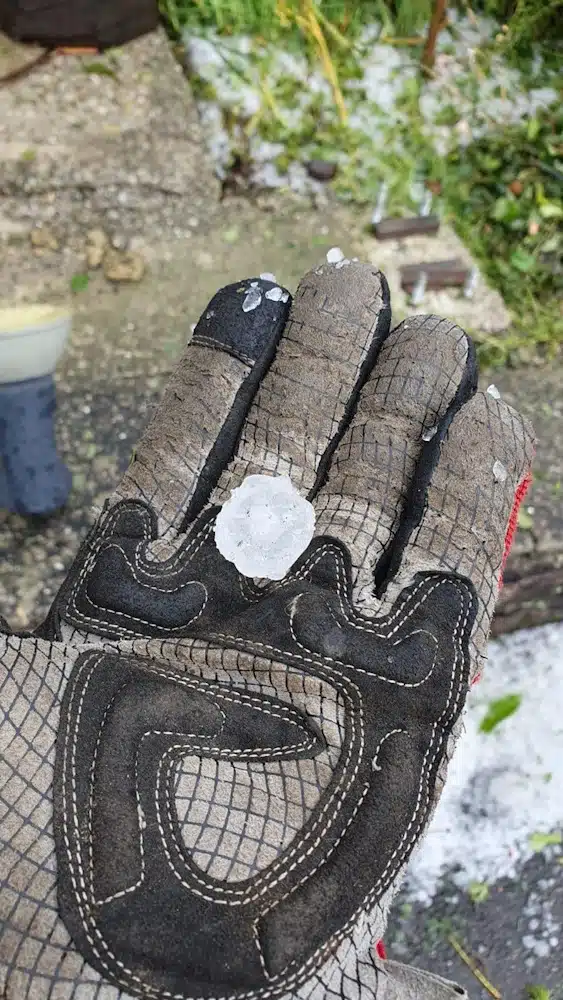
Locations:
(211, 783)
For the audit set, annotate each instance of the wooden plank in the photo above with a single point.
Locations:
(397, 229)
(439, 274)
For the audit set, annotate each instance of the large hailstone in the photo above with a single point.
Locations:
(264, 527)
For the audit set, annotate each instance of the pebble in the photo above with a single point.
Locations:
(120, 266)
(96, 246)
(321, 170)
(43, 239)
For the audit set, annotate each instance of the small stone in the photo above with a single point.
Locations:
(428, 434)
(268, 276)
(275, 294)
(122, 266)
(321, 170)
(499, 472)
(43, 238)
(96, 246)
(252, 300)
(493, 391)
(334, 255)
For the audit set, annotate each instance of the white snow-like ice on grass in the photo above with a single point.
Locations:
(481, 101)
(506, 785)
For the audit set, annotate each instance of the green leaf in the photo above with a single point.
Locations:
(538, 841)
(522, 260)
(499, 710)
(525, 521)
(79, 282)
(506, 210)
(478, 892)
(533, 129)
(551, 210)
(99, 69)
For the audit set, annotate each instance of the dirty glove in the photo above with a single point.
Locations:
(211, 785)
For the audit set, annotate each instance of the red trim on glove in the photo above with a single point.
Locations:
(513, 520)
(512, 526)
(380, 950)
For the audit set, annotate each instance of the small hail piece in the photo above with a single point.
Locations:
(428, 434)
(252, 299)
(499, 472)
(493, 391)
(275, 294)
(264, 526)
(334, 255)
(268, 276)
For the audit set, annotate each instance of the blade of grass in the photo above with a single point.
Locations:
(472, 965)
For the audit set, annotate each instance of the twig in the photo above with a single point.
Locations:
(472, 965)
(436, 24)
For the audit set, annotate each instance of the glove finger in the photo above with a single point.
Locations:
(424, 372)
(483, 461)
(195, 427)
(339, 318)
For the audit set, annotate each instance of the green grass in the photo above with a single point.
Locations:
(268, 17)
(529, 20)
(503, 193)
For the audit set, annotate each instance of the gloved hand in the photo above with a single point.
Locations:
(210, 786)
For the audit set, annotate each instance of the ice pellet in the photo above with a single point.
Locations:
(264, 526)
(252, 300)
(275, 294)
(428, 434)
(499, 472)
(268, 276)
(334, 255)
(493, 391)
(342, 263)
(285, 297)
